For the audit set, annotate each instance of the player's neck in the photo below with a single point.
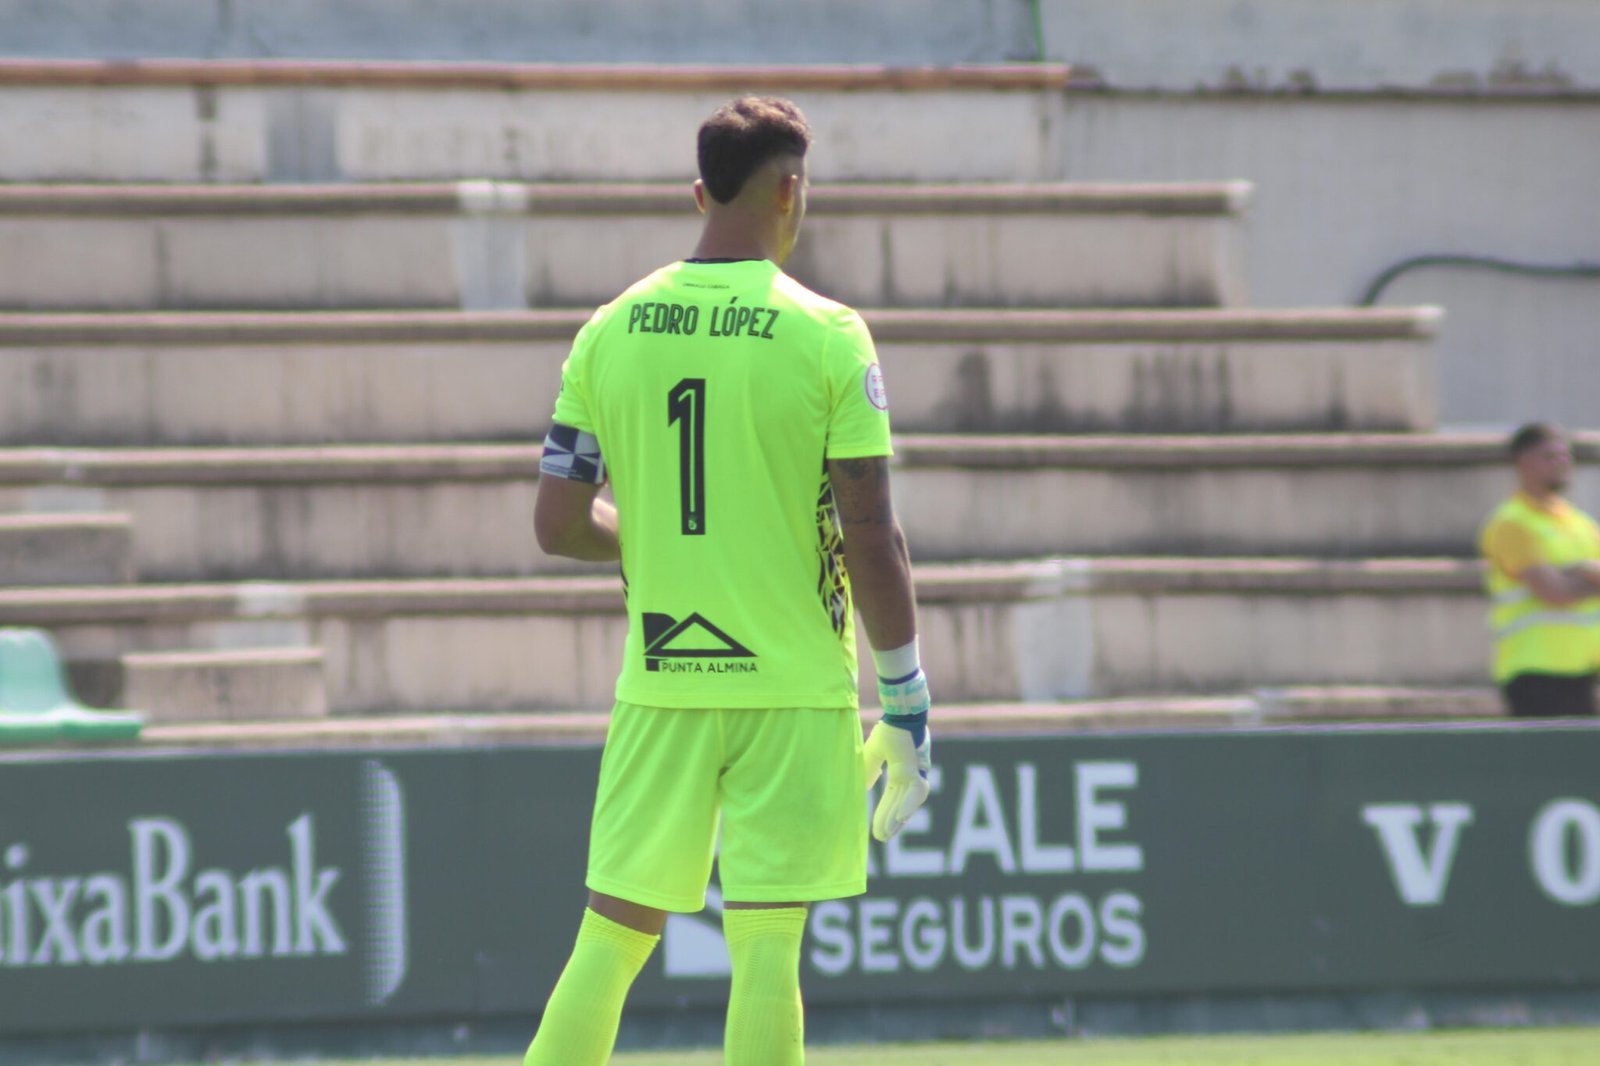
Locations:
(736, 238)
(1545, 498)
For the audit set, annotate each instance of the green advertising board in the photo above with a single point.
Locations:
(1272, 862)
(371, 886)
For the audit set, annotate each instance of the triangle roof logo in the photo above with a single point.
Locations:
(695, 637)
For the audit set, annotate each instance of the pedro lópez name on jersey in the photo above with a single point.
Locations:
(732, 319)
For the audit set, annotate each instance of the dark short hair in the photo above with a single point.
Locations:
(742, 135)
(1532, 436)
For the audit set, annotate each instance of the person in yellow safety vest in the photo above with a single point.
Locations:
(1544, 584)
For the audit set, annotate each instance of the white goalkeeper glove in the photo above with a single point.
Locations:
(901, 740)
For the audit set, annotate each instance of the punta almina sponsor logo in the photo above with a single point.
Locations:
(165, 906)
(692, 646)
(1051, 909)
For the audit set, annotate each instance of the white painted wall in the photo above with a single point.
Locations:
(1347, 186)
(1174, 44)
(1329, 44)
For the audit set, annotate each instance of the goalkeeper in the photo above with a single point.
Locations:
(742, 423)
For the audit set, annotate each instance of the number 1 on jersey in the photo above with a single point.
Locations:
(686, 406)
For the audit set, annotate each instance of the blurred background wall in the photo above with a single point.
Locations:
(1374, 131)
(612, 31)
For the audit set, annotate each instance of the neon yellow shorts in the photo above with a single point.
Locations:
(786, 786)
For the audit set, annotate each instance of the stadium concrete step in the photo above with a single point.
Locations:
(1339, 495)
(276, 513)
(241, 685)
(287, 378)
(203, 514)
(1025, 631)
(495, 244)
(309, 120)
(65, 549)
(1307, 705)
(1375, 703)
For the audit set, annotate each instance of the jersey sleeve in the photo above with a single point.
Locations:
(572, 403)
(858, 420)
(1510, 547)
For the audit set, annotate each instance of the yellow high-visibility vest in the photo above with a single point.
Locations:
(1532, 636)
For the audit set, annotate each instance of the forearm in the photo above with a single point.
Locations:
(901, 741)
(594, 540)
(875, 554)
(1586, 576)
(880, 577)
(1566, 585)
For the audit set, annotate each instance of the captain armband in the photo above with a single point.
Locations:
(572, 454)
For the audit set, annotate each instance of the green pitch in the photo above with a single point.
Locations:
(1521, 1047)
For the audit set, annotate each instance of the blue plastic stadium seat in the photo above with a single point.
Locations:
(36, 706)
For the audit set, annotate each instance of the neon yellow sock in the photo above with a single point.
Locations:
(579, 1026)
(766, 1023)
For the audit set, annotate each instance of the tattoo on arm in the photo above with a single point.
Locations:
(861, 490)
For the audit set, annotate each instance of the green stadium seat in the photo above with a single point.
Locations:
(36, 706)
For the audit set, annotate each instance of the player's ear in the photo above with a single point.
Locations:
(700, 195)
(788, 192)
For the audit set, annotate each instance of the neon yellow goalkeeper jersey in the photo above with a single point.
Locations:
(716, 391)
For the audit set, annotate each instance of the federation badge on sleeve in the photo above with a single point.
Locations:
(876, 394)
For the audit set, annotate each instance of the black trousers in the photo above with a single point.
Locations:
(1550, 695)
